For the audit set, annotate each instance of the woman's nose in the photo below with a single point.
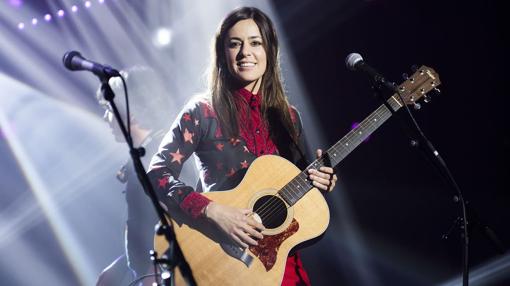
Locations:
(245, 50)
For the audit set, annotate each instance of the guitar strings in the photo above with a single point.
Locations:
(270, 208)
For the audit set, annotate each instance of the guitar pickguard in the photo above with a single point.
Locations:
(267, 248)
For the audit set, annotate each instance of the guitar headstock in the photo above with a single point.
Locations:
(418, 85)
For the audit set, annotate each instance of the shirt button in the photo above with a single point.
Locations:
(257, 131)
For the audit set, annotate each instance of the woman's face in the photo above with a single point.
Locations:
(245, 54)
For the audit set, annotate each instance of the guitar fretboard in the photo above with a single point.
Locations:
(301, 184)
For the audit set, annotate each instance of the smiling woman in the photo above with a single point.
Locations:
(244, 115)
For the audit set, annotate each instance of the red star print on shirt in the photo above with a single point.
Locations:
(188, 136)
(244, 164)
(186, 117)
(220, 146)
(177, 157)
(163, 182)
(207, 111)
(231, 172)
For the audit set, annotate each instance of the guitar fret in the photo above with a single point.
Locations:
(286, 194)
(295, 192)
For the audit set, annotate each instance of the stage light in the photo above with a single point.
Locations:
(162, 37)
(16, 3)
(47, 17)
(21, 25)
(60, 13)
(74, 8)
(34, 21)
(356, 124)
(100, 1)
(87, 4)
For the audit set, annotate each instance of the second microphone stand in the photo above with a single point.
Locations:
(420, 140)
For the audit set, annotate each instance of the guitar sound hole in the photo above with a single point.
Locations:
(271, 210)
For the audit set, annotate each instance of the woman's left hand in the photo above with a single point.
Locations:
(324, 178)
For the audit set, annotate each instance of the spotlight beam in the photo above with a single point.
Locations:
(76, 257)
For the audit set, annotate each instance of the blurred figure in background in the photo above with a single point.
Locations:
(146, 102)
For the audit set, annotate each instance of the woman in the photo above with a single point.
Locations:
(245, 115)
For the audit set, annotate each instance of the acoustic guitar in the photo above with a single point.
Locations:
(283, 199)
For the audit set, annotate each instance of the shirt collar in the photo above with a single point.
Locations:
(250, 98)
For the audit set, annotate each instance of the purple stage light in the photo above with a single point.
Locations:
(87, 4)
(47, 17)
(100, 1)
(34, 21)
(60, 13)
(356, 124)
(74, 8)
(16, 3)
(21, 25)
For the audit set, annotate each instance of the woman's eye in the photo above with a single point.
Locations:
(234, 44)
(256, 43)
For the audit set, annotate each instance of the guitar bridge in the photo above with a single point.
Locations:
(238, 253)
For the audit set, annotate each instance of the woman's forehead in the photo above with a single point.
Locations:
(244, 29)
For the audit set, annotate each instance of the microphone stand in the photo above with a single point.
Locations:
(136, 153)
(421, 141)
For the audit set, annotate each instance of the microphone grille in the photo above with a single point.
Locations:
(352, 60)
(68, 58)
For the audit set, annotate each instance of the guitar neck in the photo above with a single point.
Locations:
(300, 185)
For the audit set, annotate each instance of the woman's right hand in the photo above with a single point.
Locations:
(238, 224)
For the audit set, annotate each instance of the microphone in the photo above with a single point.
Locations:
(74, 61)
(354, 61)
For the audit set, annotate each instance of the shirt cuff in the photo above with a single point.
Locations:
(193, 204)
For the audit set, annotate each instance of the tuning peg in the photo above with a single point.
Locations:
(416, 106)
(426, 99)
(405, 76)
(414, 68)
(435, 91)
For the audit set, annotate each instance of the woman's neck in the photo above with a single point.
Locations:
(254, 86)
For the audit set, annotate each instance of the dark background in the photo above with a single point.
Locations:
(396, 195)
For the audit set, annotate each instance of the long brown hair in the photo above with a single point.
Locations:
(222, 84)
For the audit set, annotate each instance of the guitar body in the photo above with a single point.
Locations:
(215, 260)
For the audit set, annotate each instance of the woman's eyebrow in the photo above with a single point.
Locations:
(250, 38)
